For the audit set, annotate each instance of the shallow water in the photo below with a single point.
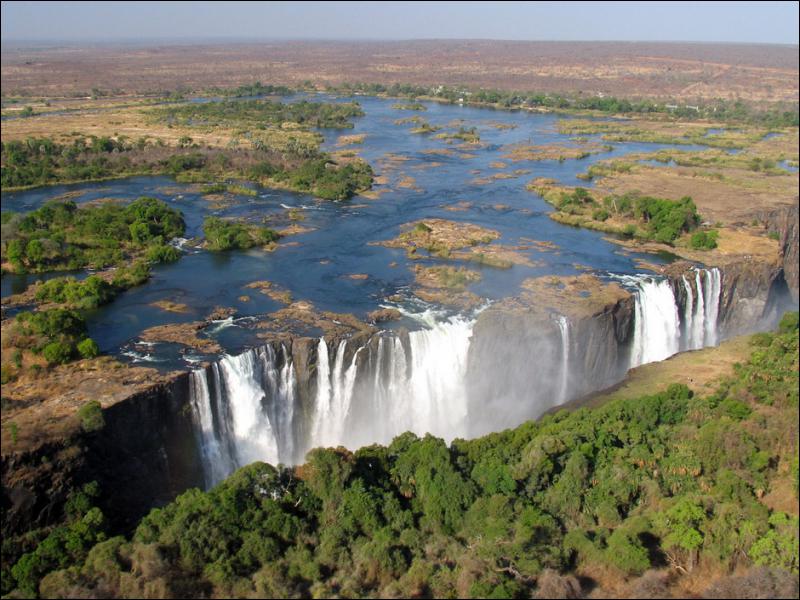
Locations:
(315, 266)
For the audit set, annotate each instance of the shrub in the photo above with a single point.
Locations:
(162, 253)
(600, 214)
(57, 353)
(88, 348)
(91, 416)
(704, 240)
(789, 322)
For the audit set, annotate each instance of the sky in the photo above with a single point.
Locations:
(748, 22)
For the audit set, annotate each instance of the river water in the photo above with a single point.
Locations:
(315, 266)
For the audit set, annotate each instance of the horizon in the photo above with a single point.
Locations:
(211, 40)
(764, 23)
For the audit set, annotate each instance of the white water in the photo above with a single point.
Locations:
(712, 289)
(387, 386)
(563, 327)
(370, 394)
(657, 330)
(657, 327)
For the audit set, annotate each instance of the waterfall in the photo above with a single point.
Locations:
(244, 406)
(688, 311)
(563, 327)
(217, 462)
(699, 316)
(657, 331)
(248, 408)
(251, 413)
(393, 391)
(712, 290)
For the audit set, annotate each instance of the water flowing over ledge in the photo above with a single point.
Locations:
(253, 407)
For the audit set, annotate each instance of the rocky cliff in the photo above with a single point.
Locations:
(143, 456)
(784, 223)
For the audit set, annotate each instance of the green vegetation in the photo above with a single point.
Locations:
(409, 106)
(465, 134)
(62, 236)
(731, 111)
(89, 293)
(239, 113)
(288, 160)
(57, 334)
(668, 479)
(425, 127)
(704, 240)
(254, 89)
(323, 178)
(655, 219)
(91, 416)
(231, 235)
(39, 161)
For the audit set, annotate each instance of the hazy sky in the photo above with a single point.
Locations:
(764, 22)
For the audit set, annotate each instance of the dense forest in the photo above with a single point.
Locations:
(673, 483)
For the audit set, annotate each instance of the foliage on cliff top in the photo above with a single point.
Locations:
(668, 479)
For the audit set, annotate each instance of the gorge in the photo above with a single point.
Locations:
(265, 405)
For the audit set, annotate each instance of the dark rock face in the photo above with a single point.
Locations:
(749, 297)
(515, 363)
(784, 222)
(144, 456)
(147, 453)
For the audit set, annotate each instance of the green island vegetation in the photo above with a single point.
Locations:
(40, 161)
(630, 215)
(62, 236)
(253, 89)
(58, 333)
(662, 133)
(261, 113)
(734, 111)
(465, 134)
(760, 164)
(668, 480)
(231, 235)
(269, 142)
(409, 106)
(425, 127)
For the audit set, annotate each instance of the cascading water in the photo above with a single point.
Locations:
(657, 331)
(657, 328)
(712, 290)
(249, 417)
(217, 461)
(563, 327)
(369, 395)
(247, 408)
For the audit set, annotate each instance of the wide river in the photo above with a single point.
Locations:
(424, 178)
